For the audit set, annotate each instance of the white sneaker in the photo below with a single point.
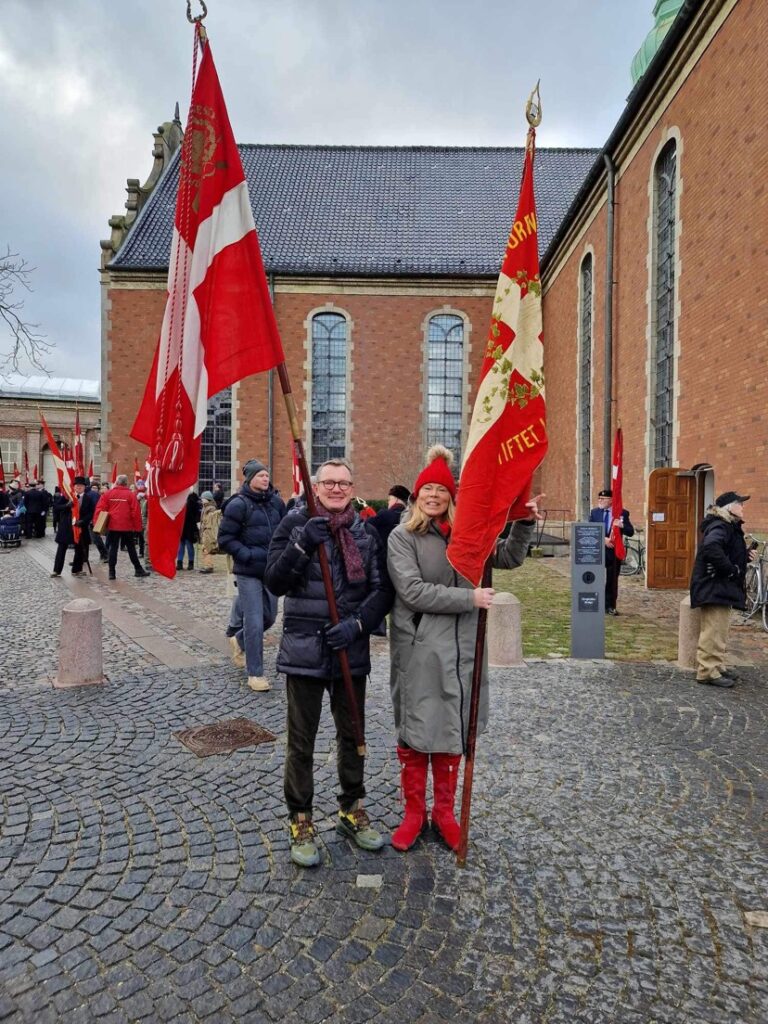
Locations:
(238, 656)
(259, 683)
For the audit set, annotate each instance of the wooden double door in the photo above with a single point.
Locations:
(671, 530)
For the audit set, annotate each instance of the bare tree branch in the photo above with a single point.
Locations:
(26, 344)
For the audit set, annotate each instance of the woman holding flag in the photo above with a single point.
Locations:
(433, 632)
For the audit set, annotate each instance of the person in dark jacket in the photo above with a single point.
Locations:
(190, 532)
(65, 535)
(218, 493)
(5, 503)
(388, 518)
(37, 501)
(248, 521)
(717, 584)
(309, 644)
(602, 514)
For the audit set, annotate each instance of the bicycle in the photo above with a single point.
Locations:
(634, 562)
(756, 583)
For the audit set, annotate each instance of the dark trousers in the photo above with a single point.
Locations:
(61, 556)
(612, 569)
(126, 536)
(101, 547)
(82, 549)
(39, 525)
(305, 702)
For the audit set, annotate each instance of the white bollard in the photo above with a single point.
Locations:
(688, 634)
(505, 634)
(80, 654)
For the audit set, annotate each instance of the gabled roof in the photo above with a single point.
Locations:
(60, 389)
(377, 210)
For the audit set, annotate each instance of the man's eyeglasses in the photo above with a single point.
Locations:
(343, 485)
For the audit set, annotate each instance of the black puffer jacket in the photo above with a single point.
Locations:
(303, 650)
(721, 562)
(247, 524)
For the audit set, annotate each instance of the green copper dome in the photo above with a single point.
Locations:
(665, 12)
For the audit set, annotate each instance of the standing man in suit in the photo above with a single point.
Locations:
(603, 514)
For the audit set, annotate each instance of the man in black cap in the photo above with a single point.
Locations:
(603, 514)
(388, 518)
(86, 502)
(717, 584)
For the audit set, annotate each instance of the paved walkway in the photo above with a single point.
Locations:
(618, 845)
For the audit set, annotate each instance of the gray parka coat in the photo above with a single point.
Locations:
(433, 630)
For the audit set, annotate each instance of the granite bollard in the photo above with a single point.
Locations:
(505, 636)
(688, 633)
(80, 654)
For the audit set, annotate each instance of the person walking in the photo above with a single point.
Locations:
(124, 522)
(602, 514)
(248, 522)
(96, 538)
(190, 532)
(65, 536)
(210, 520)
(432, 645)
(717, 584)
(309, 644)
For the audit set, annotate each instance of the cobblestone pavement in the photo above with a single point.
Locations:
(619, 841)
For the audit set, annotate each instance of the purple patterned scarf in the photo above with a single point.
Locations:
(340, 523)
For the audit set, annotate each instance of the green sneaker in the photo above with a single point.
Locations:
(355, 825)
(304, 851)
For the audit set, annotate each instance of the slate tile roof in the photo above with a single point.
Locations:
(377, 210)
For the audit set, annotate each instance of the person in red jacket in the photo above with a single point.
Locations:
(124, 522)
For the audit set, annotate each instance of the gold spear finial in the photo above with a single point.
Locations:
(533, 107)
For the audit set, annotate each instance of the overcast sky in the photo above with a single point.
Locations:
(84, 83)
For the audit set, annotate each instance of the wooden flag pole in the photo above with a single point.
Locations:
(474, 707)
(293, 419)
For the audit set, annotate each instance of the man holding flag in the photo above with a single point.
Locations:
(616, 528)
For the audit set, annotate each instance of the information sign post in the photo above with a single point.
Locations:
(587, 590)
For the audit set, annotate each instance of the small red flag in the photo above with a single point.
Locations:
(90, 470)
(2, 469)
(508, 433)
(296, 471)
(114, 472)
(79, 448)
(16, 473)
(34, 473)
(26, 469)
(65, 480)
(136, 470)
(219, 326)
(617, 503)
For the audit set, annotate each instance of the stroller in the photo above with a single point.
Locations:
(10, 532)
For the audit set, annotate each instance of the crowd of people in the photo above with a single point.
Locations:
(391, 563)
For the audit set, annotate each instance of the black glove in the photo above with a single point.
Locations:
(343, 633)
(316, 531)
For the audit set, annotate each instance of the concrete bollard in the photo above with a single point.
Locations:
(688, 634)
(80, 654)
(505, 636)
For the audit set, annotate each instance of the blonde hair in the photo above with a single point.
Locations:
(419, 521)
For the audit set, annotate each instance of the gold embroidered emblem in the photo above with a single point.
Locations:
(200, 144)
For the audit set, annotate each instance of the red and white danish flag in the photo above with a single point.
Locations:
(65, 478)
(218, 327)
(617, 503)
(508, 433)
(79, 448)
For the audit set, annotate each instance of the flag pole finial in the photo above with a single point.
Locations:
(533, 107)
(197, 18)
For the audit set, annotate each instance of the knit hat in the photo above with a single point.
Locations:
(399, 492)
(437, 470)
(207, 496)
(251, 468)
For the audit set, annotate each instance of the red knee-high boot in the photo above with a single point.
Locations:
(413, 780)
(445, 778)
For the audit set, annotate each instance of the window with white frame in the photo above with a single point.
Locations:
(445, 383)
(585, 384)
(663, 323)
(11, 452)
(329, 388)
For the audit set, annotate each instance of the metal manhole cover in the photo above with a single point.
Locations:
(224, 737)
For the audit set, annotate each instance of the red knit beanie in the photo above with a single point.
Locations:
(437, 470)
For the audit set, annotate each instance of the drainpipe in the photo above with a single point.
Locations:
(271, 397)
(608, 391)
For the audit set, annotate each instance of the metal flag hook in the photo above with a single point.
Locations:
(533, 107)
(199, 17)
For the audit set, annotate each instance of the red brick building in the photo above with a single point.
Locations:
(383, 263)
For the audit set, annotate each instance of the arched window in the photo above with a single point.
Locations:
(445, 383)
(663, 322)
(216, 446)
(585, 385)
(329, 388)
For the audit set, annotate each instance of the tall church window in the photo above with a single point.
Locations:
(329, 388)
(10, 449)
(585, 384)
(445, 383)
(216, 446)
(664, 302)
